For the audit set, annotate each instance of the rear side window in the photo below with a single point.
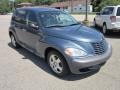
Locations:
(107, 11)
(20, 16)
(118, 12)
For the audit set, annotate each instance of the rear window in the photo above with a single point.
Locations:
(20, 16)
(118, 12)
(107, 11)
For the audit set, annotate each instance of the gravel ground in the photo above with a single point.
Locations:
(22, 70)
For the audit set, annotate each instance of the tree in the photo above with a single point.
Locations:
(4, 6)
(99, 4)
(95, 4)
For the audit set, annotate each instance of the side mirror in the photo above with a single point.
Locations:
(34, 26)
(98, 13)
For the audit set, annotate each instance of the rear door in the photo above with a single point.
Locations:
(19, 24)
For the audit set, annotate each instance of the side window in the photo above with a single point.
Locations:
(107, 11)
(118, 12)
(32, 18)
(14, 16)
(20, 16)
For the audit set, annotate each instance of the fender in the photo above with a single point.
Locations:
(56, 43)
(12, 30)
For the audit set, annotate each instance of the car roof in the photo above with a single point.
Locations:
(110, 6)
(113, 6)
(38, 9)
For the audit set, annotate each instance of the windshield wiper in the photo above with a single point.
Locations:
(74, 24)
(54, 26)
(62, 25)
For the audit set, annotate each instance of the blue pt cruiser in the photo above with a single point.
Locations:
(66, 45)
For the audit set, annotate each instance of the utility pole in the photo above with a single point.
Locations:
(71, 6)
(86, 16)
(86, 21)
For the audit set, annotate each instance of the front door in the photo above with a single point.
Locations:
(32, 32)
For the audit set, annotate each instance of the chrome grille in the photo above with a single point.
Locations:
(99, 48)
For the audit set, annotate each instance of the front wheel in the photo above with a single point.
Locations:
(57, 63)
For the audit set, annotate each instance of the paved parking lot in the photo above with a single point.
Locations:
(22, 70)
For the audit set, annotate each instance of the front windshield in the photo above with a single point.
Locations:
(56, 19)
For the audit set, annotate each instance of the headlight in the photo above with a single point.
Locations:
(75, 52)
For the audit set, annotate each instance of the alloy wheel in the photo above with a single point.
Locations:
(104, 29)
(13, 41)
(56, 64)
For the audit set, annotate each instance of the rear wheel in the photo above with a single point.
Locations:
(94, 23)
(13, 41)
(105, 31)
(57, 63)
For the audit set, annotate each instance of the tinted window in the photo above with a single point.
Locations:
(20, 16)
(118, 12)
(32, 18)
(14, 16)
(107, 11)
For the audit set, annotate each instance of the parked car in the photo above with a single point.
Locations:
(57, 37)
(9, 13)
(108, 19)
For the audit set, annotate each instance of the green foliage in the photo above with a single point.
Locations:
(99, 4)
(20, 1)
(4, 6)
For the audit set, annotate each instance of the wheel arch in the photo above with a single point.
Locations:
(48, 49)
(54, 49)
(10, 33)
(104, 23)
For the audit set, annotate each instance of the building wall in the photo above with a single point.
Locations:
(79, 9)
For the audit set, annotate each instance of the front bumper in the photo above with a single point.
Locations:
(92, 62)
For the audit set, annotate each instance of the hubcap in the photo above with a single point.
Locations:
(13, 41)
(56, 64)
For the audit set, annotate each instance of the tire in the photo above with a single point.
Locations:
(94, 23)
(13, 41)
(57, 63)
(104, 29)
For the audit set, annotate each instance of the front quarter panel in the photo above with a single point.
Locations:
(54, 42)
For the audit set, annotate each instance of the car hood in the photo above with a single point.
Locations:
(75, 33)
